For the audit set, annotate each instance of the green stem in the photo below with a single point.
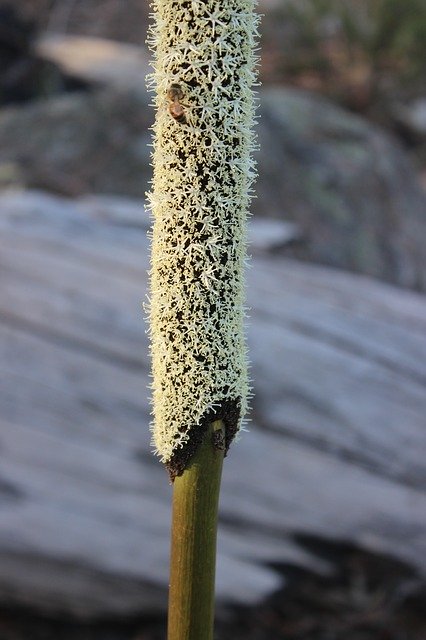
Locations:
(193, 541)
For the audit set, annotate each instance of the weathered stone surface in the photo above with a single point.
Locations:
(79, 143)
(96, 60)
(413, 117)
(348, 185)
(336, 444)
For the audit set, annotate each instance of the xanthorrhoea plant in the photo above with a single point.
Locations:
(203, 77)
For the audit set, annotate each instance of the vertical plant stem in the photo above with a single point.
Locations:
(193, 541)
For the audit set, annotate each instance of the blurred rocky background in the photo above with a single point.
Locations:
(323, 525)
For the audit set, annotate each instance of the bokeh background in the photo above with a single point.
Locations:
(323, 511)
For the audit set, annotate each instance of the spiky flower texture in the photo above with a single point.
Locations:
(204, 71)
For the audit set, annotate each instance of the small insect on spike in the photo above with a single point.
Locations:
(176, 110)
(218, 436)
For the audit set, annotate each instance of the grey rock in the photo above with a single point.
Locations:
(349, 186)
(95, 60)
(335, 448)
(413, 116)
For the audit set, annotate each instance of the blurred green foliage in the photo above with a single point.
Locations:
(379, 43)
(400, 33)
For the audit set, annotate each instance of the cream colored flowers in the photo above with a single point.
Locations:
(203, 77)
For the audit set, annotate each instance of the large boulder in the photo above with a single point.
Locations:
(78, 143)
(336, 446)
(348, 184)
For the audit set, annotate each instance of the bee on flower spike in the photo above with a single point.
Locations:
(176, 110)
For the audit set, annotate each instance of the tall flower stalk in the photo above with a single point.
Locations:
(204, 60)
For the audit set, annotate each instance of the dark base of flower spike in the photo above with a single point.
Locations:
(227, 410)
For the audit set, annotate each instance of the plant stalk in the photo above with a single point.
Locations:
(193, 541)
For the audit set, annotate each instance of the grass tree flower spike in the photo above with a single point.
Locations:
(204, 71)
